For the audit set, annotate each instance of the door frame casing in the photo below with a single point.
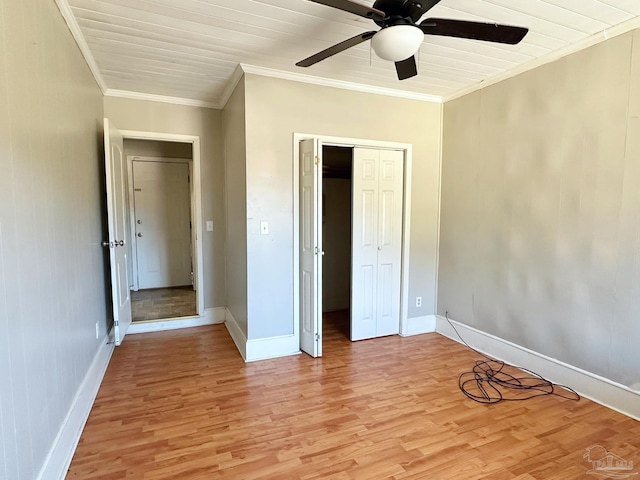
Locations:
(406, 215)
(132, 220)
(196, 179)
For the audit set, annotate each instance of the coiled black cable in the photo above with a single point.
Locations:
(493, 381)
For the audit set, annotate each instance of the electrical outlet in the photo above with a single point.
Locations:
(97, 330)
(418, 301)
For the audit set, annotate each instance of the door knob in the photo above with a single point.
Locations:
(140, 234)
(119, 243)
(107, 244)
(379, 248)
(139, 222)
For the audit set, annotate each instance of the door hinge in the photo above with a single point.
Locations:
(116, 323)
(316, 250)
(317, 337)
(188, 178)
(317, 160)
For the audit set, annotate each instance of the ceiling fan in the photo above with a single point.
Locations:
(401, 36)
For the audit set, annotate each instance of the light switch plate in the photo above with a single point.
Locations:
(264, 228)
(209, 225)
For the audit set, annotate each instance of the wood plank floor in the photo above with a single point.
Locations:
(183, 405)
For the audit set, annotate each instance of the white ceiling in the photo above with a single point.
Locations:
(189, 50)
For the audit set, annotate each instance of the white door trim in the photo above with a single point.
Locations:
(194, 140)
(406, 216)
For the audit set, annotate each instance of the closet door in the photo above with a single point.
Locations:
(376, 243)
(310, 248)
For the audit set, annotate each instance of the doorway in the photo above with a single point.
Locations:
(374, 271)
(120, 233)
(161, 237)
(337, 180)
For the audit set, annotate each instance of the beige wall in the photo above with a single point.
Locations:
(275, 109)
(152, 148)
(148, 116)
(233, 121)
(52, 275)
(540, 229)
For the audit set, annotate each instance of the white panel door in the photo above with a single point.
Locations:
(390, 197)
(376, 243)
(162, 206)
(364, 243)
(117, 216)
(310, 248)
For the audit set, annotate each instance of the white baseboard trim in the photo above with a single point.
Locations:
(261, 348)
(64, 446)
(419, 325)
(237, 335)
(215, 315)
(211, 316)
(272, 347)
(594, 387)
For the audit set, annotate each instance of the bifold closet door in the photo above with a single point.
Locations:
(376, 242)
(310, 247)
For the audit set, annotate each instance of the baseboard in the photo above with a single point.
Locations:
(594, 387)
(272, 347)
(419, 325)
(211, 316)
(215, 315)
(64, 446)
(236, 333)
(261, 348)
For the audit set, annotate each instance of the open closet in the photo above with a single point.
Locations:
(351, 217)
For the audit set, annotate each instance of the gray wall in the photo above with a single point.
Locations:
(52, 275)
(148, 116)
(275, 109)
(540, 228)
(233, 121)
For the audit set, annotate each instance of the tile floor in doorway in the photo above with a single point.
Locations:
(158, 303)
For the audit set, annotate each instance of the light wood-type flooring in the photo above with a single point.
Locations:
(183, 405)
(158, 303)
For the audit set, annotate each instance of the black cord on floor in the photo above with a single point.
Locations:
(493, 381)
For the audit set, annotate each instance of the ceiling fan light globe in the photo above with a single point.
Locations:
(397, 43)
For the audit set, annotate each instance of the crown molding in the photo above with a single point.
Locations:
(110, 92)
(70, 19)
(590, 41)
(328, 82)
(237, 75)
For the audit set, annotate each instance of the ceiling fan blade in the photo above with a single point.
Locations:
(355, 8)
(489, 32)
(339, 47)
(407, 68)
